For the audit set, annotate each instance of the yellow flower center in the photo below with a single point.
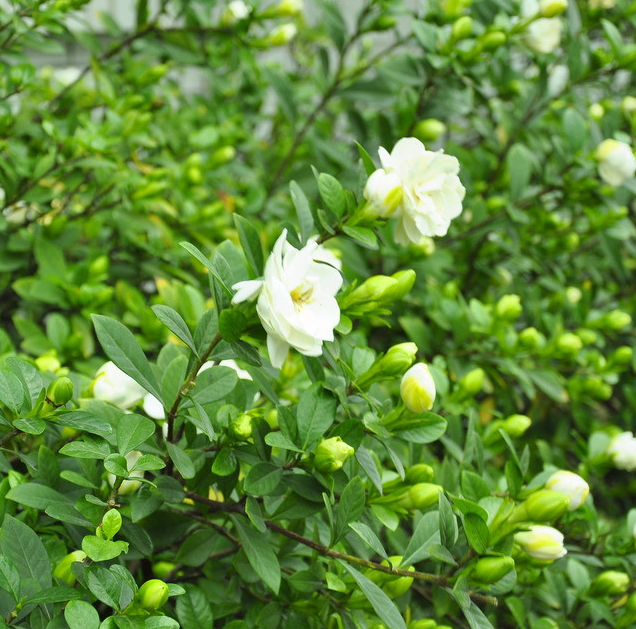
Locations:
(302, 294)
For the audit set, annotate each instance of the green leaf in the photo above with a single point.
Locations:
(369, 166)
(55, 594)
(105, 586)
(278, 440)
(550, 382)
(99, 549)
(81, 615)
(384, 607)
(363, 235)
(369, 538)
(21, 545)
(214, 384)
(116, 464)
(31, 425)
(474, 487)
(123, 349)
(232, 324)
(350, 506)
(427, 428)
(86, 449)
(132, 431)
(9, 577)
(65, 512)
(477, 532)
(85, 422)
(519, 164)
(426, 534)
(260, 554)
(224, 462)
(476, 618)
(192, 250)
(181, 460)
(111, 523)
(175, 323)
(251, 243)
(11, 391)
(262, 479)
(193, 609)
(332, 194)
(35, 495)
(303, 211)
(316, 412)
(575, 129)
(448, 529)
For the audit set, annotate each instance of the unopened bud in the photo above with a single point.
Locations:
(492, 40)
(623, 355)
(153, 595)
(596, 111)
(546, 505)
(398, 359)
(610, 582)
(288, 8)
(48, 362)
(420, 496)
(508, 307)
(241, 427)
(617, 319)
(60, 391)
(531, 338)
(628, 105)
(423, 623)
(516, 425)
(418, 389)
(223, 155)
(281, 35)
(571, 485)
(552, 8)
(405, 280)
(473, 381)
(492, 569)
(430, 129)
(63, 570)
(544, 543)
(569, 343)
(376, 288)
(331, 454)
(383, 22)
(573, 294)
(420, 473)
(462, 27)
(162, 569)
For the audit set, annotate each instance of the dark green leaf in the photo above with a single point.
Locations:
(81, 615)
(181, 460)
(350, 506)
(132, 431)
(262, 479)
(316, 412)
(251, 243)
(193, 609)
(175, 323)
(477, 532)
(332, 193)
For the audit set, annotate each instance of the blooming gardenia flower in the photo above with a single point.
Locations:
(571, 485)
(112, 385)
(616, 162)
(431, 192)
(542, 542)
(418, 388)
(622, 451)
(296, 300)
(542, 35)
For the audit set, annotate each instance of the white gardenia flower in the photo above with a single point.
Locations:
(238, 10)
(112, 385)
(542, 542)
(232, 364)
(571, 485)
(431, 192)
(417, 388)
(616, 162)
(622, 451)
(543, 35)
(296, 300)
(153, 407)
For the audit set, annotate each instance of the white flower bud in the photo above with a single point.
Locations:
(616, 162)
(541, 542)
(281, 35)
(543, 35)
(622, 451)
(571, 485)
(418, 388)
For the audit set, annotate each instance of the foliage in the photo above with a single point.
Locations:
(225, 492)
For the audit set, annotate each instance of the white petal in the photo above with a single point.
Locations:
(277, 350)
(246, 291)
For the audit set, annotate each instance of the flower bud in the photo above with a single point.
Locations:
(331, 454)
(616, 162)
(423, 623)
(63, 570)
(491, 569)
(623, 355)
(508, 307)
(374, 289)
(546, 505)
(552, 8)
(162, 569)
(153, 595)
(541, 542)
(429, 129)
(420, 473)
(617, 319)
(418, 389)
(420, 496)
(236, 11)
(462, 27)
(398, 359)
(610, 582)
(222, 156)
(281, 35)
(622, 451)
(571, 485)
(383, 191)
(628, 105)
(60, 391)
(516, 425)
(573, 294)
(48, 362)
(472, 382)
(587, 336)
(405, 280)
(596, 111)
(288, 8)
(492, 40)
(241, 427)
(531, 338)
(569, 343)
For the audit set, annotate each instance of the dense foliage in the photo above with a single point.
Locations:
(255, 374)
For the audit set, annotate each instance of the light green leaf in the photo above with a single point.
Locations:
(181, 460)
(175, 323)
(251, 243)
(316, 412)
(132, 431)
(81, 615)
(262, 479)
(350, 506)
(303, 211)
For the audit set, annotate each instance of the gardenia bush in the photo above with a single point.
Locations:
(340, 338)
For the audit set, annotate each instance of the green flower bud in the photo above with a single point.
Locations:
(405, 280)
(569, 343)
(48, 362)
(384, 22)
(60, 391)
(610, 582)
(223, 155)
(288, 8)
(281, 35)
(516, 425)
(628, 105)
(472, 382)
(492, 40)
(398, 359)
(376, 288)
(331, 454)
(552, 8)
(162, 569)
(420, 473)
(420, 496)
(622, 355)
(418, 389)
(462, 27)
(630, 604)
(596, 111)
(587, 336)
(429, 129)
(508, 307)
(573, 294)
(241, 427)
(63, 570)
(531, 338)
(423, 623)
(492, 569)
(546, 505)
(617, 320)
(153, 595)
